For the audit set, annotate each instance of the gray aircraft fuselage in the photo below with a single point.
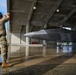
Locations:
(57, 34)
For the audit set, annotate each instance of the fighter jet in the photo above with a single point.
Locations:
(55, 34)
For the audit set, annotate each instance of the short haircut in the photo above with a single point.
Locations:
(1, 15)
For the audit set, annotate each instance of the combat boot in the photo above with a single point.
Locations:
(4, 64)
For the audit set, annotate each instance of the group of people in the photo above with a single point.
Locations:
(3, 40)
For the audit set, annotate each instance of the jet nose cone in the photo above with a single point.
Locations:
(26, 34)
(29, 34)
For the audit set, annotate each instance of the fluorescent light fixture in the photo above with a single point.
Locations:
(34, 7)
(57, 10)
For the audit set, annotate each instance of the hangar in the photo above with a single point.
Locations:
(33, 15)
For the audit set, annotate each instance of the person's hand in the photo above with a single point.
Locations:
(7, 15)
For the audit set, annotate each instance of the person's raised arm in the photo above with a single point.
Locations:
(7, 15)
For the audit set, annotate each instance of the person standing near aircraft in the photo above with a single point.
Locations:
(3, 41)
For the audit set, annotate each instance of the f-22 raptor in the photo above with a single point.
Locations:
(55, 34)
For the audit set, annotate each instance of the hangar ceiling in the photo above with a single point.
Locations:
(40, 13)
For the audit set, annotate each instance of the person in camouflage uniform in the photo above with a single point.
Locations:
(3, 41)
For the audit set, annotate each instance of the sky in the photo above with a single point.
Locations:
(3, 8)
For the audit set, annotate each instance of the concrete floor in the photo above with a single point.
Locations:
(40, 61)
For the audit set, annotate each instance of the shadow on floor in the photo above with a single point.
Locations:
(21, 59)
(41, 68)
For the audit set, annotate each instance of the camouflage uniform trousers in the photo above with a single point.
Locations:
(4, 48)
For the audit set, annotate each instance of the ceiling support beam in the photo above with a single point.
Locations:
(53, 11)
(31, 11)
(69, 15)
(65, 18)
(68, 5)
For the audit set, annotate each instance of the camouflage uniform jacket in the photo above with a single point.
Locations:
(2, 26)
